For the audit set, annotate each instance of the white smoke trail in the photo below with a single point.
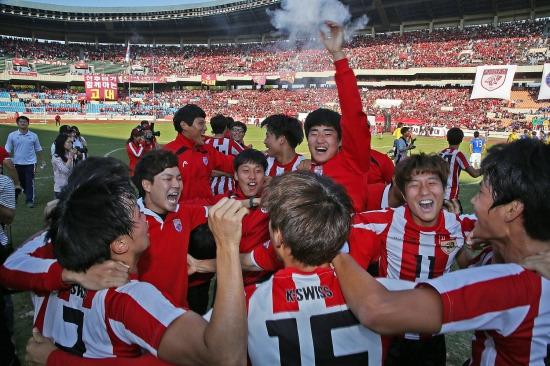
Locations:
(302, 19)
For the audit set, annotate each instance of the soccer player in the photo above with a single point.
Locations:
(164, 263)
(418, 241)
(97, 219)
(196, 161)
(237, 131)
(457, 162)
(340, 144)
(477, 147)
(299, 316)
(381, 168)
(222, 182)
(507, 305)
(250, 166)
(282, 135)
(513, 136)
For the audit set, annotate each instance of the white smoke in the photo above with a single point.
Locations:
(302, 19)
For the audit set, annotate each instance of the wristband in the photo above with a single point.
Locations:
(251, 201)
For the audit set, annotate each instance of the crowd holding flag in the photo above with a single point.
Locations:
(493, 82)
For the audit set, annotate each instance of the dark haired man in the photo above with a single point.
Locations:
(282, 134)
(402, 145)
(237, 131)
(97, 219)
(25, 146)
(340, 144)
(507, 305)
(196, 161)
(221, 182)
(457, 162)
(477, 147)
(164, 263)
(415, 242)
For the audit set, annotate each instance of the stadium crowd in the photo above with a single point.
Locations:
(521, 43)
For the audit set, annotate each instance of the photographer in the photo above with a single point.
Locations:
(62, 161)
(80, 145)
(150, 135)
(402, 146)
(138, 144)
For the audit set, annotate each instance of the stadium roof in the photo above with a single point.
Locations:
(226, 21)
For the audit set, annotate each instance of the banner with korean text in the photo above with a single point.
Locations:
(208, 79)
(493, 82)
(544, 91)
(101, 87)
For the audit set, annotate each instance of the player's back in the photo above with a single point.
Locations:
(301, 318)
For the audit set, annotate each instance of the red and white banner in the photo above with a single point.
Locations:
(142, 79)
(23, 73)
(260, 80)
(208, 79)
(493, 82)
(544, 91)
(287, 76)
(101, 87)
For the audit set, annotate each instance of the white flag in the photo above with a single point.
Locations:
(127, 57)
(493, 82)
(544, 92)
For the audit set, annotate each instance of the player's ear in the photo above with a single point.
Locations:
(120, 245)
(514, 210)
(146, 185)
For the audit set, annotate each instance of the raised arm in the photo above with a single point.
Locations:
(222, 341)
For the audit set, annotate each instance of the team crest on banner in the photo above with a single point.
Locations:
(493, 79)
(177, 225)
(493, 82)
(448, 246)
(205, 160)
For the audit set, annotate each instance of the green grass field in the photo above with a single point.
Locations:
(109, 139)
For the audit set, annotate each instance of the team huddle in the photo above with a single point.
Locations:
(321, 261)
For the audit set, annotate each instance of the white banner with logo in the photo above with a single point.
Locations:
(544, 91)
(493, 82)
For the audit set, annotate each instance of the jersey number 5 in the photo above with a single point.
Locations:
(321, 326)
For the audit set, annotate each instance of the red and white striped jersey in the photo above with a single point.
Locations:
(226, 146)
(96, 324)
(457, 162)
(274, 168)
(411, 252)
(507, 305)
(301, 318)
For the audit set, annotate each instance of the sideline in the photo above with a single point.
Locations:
(113, 151)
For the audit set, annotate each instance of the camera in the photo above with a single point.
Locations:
(82, 150)
(150, 134)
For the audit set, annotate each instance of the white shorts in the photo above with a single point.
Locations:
(475, 158)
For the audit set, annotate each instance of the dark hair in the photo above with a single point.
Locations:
(521, 171)
(313, 217)
(323, 117)
(187, 114)
(420, 164)
(151, 164)
(476, 134)
(93, 210)
(136, 131)
(144, 122)
(455, 136)
(218, 123)
(249, 156)
(201, 243)
(239, 124)
(404, 130)
(22, 117)
(60, 146)
(283, 125)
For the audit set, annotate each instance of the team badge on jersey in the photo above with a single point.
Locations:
(177, 225)
(205, 160)
(448, 246)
